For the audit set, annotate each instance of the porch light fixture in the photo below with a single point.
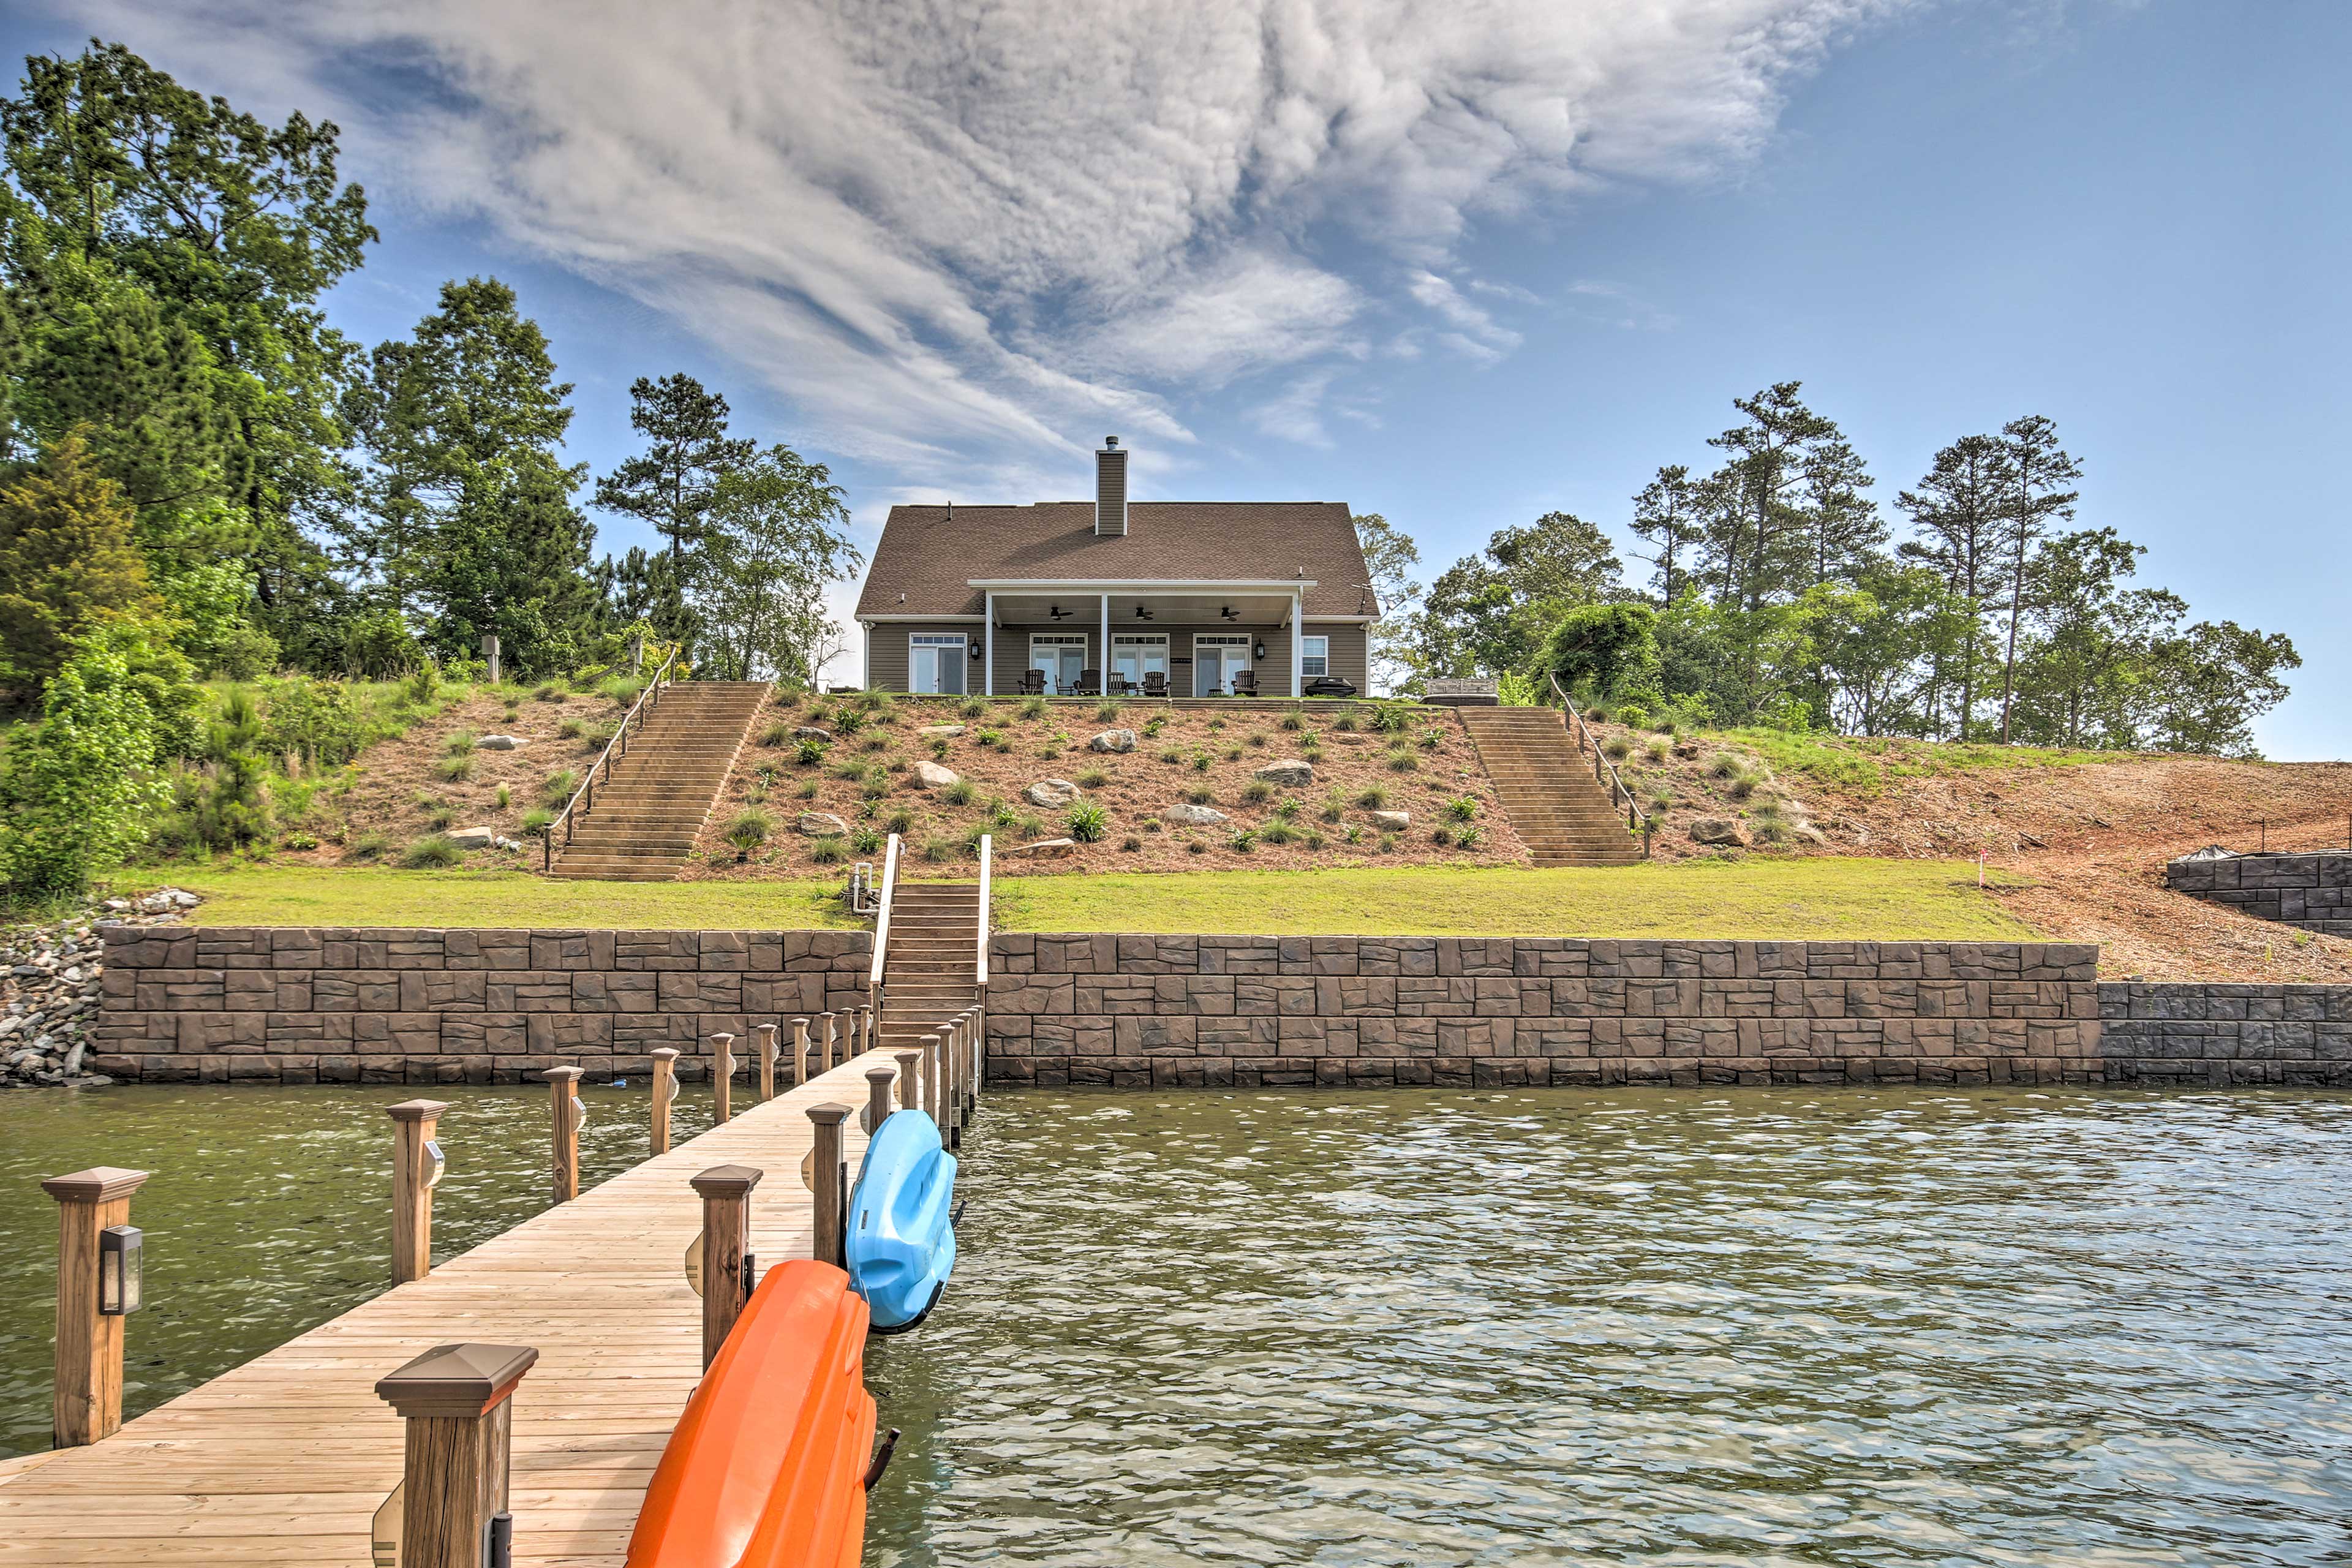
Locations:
(436, 1163)
(118, 1293)
(1258, 649)
(975, 647)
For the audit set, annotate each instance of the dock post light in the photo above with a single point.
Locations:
(417, 1164)
(118, 1270)
(98, 1286)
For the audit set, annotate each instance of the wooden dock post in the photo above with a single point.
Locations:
(722, 1074)
(665, 1094)
(765, 1036)
(826, 1019)
(800, 1052)
(951, 1126)
(827, 1171)
(910, 1080)
(457, 1403)
(928, 1065)
(566, 1115)
(726, 1257)
(86, 1401)
(877, 1098)
(415, 1166)
(865, 1029)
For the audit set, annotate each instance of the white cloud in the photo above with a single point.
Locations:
(1295, 413)
(972, 232)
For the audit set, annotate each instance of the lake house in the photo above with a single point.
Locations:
(1149, 599)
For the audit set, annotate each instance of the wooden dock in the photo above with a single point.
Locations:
(286, 1458)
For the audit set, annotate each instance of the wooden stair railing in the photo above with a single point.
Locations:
(1580, 734)
(583, 799)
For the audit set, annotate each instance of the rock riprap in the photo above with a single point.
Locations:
(51, 979)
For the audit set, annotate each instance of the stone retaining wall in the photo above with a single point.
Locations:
(2312, 891)
(1262, 1011)
(2201, 1034)
(291, 1004)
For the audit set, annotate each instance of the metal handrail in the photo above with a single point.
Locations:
(583, 799)
(1603, 770)
(980, 968)
(882, 918)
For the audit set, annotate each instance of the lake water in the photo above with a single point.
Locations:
(1758, 1327)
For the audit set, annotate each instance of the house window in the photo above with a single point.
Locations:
(1215, 661)
(1133, 658)
(935, 662)
(1060, 655)
(1314, 657)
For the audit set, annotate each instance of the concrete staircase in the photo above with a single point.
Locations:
(649, 812)
(928, 974)
(1561, 812)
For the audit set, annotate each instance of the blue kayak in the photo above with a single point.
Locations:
(901, 1243)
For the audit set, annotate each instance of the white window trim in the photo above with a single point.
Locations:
(938, 645)
(1308, 654)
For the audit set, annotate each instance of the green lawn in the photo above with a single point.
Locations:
(1864, 764)
(1886, 900)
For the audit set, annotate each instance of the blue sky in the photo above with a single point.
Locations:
(1460, 264)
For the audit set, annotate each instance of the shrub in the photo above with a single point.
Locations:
(993, 739)
(302, 841)
(1194, 847)
(373, 845)
(621, 689)
(459, 743)
(1277, 832)
(1462, 808)
(809, 753)
(1373, 799)
(959, 793)
(505, 797)
(1345, 723)
(1432, 738)
(559, 787)
(1130, 843)
(433, 849)
(1293, 722)
(571, 728)
(1351, 834)
(456, 768)
(1617, 748)
(1289, 810)
(1107, 712)
(1033, 707)
(553, 691)
(1094, 778)
(750, 830)
(779, 733)
(850, 720)
(1468, 836)
(1244, 840)
(1724, 765)
(830, 850)
(810, 789)
(535, 821)
(940, 850)
(440, 816)
(1171, 753)
(1086, 822)
(1658, 750)
(1201, 764)
(1258, 738)
(1403, 762)
(866, 841)
(1200, 794)
(901, 822)
(1394, 717)
(789, 697)
(972, 707)
(1154, 725)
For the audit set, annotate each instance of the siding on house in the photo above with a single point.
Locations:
(885, 660)
(887, 644)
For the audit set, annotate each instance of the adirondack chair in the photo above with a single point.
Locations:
(1246, 683)
(1032, 683)
(1155, 683)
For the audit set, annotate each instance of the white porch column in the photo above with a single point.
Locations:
(1106, 645)
(1299, 642)
(988, 645)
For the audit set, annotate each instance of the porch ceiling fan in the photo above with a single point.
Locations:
(1141, 613)
(1230, 613)
(1058, 613)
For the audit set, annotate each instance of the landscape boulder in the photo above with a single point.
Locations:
(1720, 830)
(1287, 772)
(500, 743)
(1113, 740)
(474, 837)
(1051, 793)
(820, 825)
(818, 733)
(932, 775)
(1394, 821)
(1187, 814)
(1046, 850)
(940, 732)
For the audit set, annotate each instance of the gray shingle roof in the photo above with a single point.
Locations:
(932, 560)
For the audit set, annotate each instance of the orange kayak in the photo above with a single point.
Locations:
(767, 1467)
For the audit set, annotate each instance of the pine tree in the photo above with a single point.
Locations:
(67, 563)
(1668, 515)
(1959, 509)
(1757, 541)
(670, 484)
(2038, 466)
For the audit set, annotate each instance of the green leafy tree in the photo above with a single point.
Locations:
(474, 531)
(76, 789)
(2213, 681)
(67, 562)
(776, 529)
(1874, 640)
(1605, 652)
(674, 481)
(2086, 655)
(1390, 556)
(1490, 613)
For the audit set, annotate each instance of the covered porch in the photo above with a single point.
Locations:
(1188, 641)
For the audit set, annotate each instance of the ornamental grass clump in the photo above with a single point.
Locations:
(1086, 822)
(748, 831)
(1462, 808)
(433, 850)
(830, 850)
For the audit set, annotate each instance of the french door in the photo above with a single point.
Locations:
(1136, 655)
(935, 662)
(1215, 661)
(1060, 655)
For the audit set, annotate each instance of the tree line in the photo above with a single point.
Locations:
(1778, 594)
(202, 476)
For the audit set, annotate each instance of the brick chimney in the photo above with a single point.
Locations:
(1110, 489)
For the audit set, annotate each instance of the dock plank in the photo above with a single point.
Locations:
(286, 1459)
